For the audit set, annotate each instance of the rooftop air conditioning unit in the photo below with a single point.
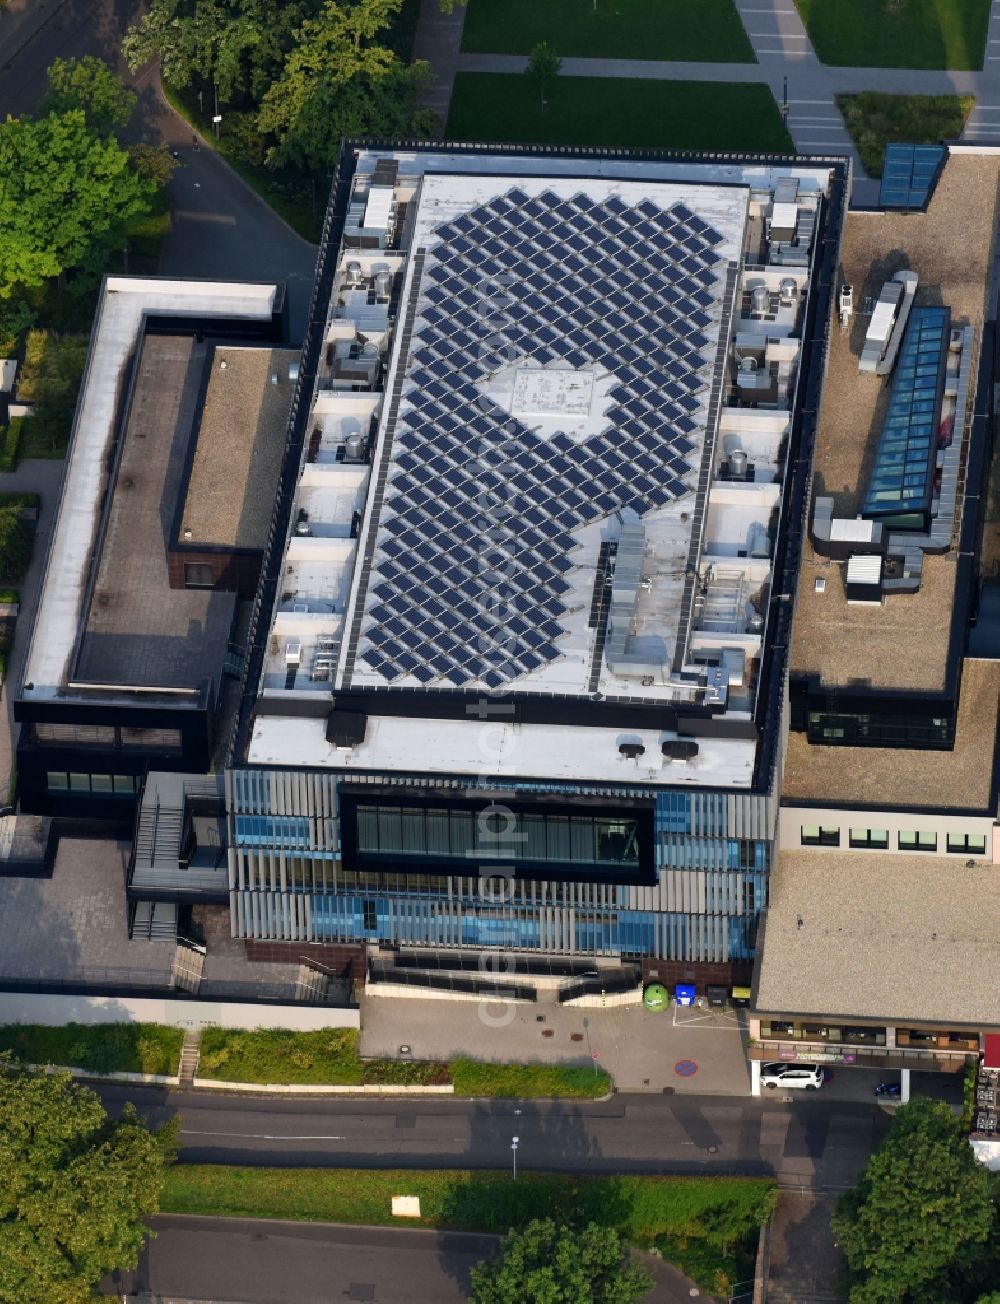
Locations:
(293, 652)
(632, 750)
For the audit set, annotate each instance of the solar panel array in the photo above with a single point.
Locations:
(583, 282)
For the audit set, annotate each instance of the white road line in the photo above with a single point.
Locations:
(808, 101)
(813, 117)
(259, 1136)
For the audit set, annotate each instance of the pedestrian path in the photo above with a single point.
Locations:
(438, 41)
(776, 31)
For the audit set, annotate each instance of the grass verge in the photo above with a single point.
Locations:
(897, 33)
(330, 1056)
(617, 111)
(98, 1048)
(706, 30)
(875, 119)
(296, 199)
(705, 1222)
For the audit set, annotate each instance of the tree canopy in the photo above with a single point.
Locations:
(313, 70)
(76, 1186)
(89, 84)
(238, 45)
(921, 1213)
(550, 1264)
(66, 195)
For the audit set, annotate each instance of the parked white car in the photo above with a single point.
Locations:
(791, 1075)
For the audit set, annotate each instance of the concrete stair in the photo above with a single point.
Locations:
(311, 984)
(190, 1054)
(189, 965)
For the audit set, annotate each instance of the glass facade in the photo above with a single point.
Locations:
(315, 861)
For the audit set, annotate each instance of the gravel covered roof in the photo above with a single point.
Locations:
(882, 937)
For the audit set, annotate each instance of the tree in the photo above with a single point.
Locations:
(543, 67)
(239, 45)
(76, 1186)
(550, 1264)
(89, 84)
(152, 162)
(922, 1204)
(339, 81)
(65, 195)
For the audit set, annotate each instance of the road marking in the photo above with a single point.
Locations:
(259, 1136)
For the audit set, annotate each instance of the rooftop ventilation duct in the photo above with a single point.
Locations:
(346, 728)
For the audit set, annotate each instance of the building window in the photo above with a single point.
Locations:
(818, 835)
(966, 844)
(99, 785)
(371, 917)
(870, 839)
(198, 575)
(917, 841)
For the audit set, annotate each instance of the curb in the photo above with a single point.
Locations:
(320, 1088)
(87, 1075)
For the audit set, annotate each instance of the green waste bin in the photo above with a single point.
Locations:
(655, 997)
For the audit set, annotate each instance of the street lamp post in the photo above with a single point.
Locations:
(513, 1151)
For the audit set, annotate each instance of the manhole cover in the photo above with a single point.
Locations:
(360, 1290)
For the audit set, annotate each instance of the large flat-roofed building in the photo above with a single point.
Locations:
(519, 657)
(881, 936)
(126, 668)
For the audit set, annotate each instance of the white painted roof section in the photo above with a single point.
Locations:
(497, 750)
(811, 177)
(116, 328)
(856, 530)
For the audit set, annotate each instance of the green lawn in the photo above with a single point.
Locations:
(898, 33)
(708, 30)
(617, 111)
(275, 1055)
(874, 119)
(702, 1224)
(99, 1047)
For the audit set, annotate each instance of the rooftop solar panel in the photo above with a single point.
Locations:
(599, 294)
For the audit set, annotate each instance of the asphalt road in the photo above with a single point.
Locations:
(261, 1261)
(247, 1261)
(807, 1142)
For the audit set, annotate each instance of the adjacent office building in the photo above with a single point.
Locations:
(881, 939)
(158, 539)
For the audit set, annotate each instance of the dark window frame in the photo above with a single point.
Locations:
(826, 835)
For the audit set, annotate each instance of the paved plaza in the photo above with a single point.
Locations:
(691, 1051)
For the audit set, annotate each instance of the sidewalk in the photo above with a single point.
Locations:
(641, 1051)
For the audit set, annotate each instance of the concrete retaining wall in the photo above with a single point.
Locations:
(154, 1079)
(596, 1001)
(56, 1009)
(404, 992)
